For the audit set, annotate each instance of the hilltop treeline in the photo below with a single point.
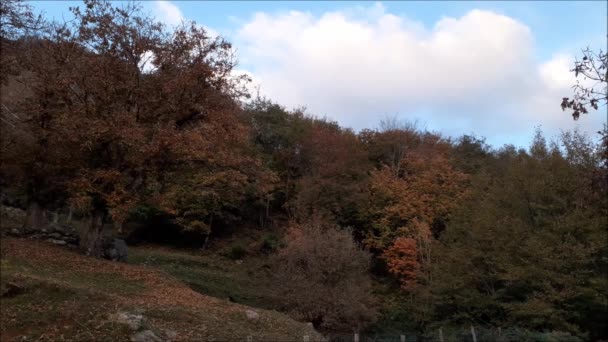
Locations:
(112, 114)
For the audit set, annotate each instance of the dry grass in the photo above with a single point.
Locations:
(67, 296)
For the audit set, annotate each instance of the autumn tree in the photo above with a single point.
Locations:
(32, 160)
(278, 135)
(416, 183)
(321, 166)
(322, 277)
(123, 128)
(334, 178)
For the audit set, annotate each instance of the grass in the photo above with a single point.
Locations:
(42, 309)
(49, 293)
(246, 281)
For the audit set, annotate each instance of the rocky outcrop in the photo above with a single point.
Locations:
(62, 235)
(57, 234)
(142, 330)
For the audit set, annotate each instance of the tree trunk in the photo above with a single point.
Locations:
(91, 235)
(34, 218)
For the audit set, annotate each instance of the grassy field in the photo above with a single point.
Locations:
(53, 294)
(244, 281)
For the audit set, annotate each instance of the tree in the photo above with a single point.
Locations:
(420, 186)
(528, 248)
(593, 67)
(122, 130)
(335, 175)
(323, 278)
(402, 259)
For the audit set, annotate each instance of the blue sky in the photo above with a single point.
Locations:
(490, 67)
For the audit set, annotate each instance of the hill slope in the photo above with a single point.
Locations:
(51, 293)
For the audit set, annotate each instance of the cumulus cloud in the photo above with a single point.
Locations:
(477, 72)
(167, 12)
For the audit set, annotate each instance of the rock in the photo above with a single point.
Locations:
(115, 250)
(12, 289)
(55, 235)
(134, 321)
(58, 242)
(239, 262)
(146, 336)
(252, 314)
(15, 232)
(71, 240)
(170, 334)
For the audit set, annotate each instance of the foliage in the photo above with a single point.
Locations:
(116, 135)
(526, 251)
(321, 274)
(402, 261)
(121, 118)
(270, 243)
(593, 92)
(418, 186)
(237, 252)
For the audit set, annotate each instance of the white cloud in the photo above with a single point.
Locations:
(170, 14)
(167, 12)
(145, 62)
(476, 72)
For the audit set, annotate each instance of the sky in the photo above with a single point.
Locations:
(496, 69)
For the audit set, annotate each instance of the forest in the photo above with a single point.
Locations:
(148, 135)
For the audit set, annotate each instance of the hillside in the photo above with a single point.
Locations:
(52, 293)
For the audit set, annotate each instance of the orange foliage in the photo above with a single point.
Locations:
(402, 260)
(421, 186)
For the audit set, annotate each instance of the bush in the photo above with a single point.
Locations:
(270, 243)
(323, 277)
(237, 252)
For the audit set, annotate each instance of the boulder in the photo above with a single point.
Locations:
(146, 336)
(115, 250)
(55, 235)
(252, 315)
(58, 242)
(171, 334)
(134, 321)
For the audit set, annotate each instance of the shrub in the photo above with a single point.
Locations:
(270, 243)
(237, 252)
(323, 277)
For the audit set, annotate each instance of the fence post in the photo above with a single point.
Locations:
(402, 338)
(440, 334)
(356, 337)
(499, 331)
(473, 333)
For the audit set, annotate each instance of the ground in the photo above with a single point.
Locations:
(52, 293)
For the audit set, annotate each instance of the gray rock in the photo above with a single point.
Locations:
(55, 235)
(115, 250)
(58, 242)
(252, 314)
(171, 335)
(134, 321)
(15, 232)
(146, 336)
